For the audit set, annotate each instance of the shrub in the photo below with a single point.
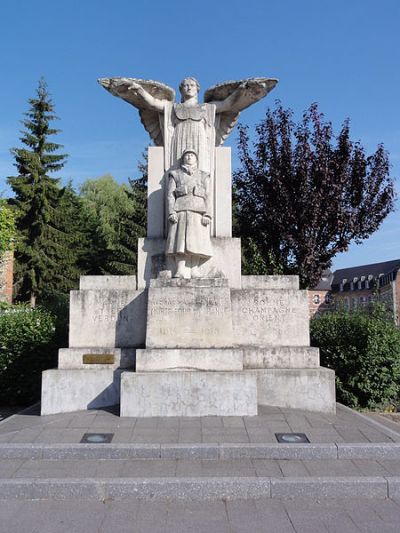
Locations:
(364, 350)
(27, 346)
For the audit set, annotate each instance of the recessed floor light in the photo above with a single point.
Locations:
(291, 438)
(97, 438)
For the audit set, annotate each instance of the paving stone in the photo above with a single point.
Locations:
(370, 467)
(139, 468)
(195, 516)
(212, 468)
(293, 468)
(56, 469)
(9, 466)
(332, 468)
(267, 467)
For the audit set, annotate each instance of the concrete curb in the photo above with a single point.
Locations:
(371, 421)
(199, 489)
(201, 451)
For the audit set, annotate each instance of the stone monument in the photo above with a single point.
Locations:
(190, 336)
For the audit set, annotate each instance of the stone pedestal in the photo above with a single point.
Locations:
(215, 345)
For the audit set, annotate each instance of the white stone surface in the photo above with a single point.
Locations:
(107, 318)
(108, 282)
(189, 316)
(225, 262)
(270, 317)
(223, 193)
(281, 357)
(155, 193)
(270, 282)
(64, 391)
(156, 360)
(307, 389)
(72, 357)
(189, 124)
(188, 394)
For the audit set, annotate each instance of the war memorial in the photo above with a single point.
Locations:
(189, 335)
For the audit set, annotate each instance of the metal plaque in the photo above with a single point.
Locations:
(98, 358)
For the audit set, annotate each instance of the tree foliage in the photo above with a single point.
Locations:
(113, 219)
(45, 258)
(7, 227)
(303, 194)
(364, 350)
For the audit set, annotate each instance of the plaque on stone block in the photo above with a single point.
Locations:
(189, 316)
(98, 359)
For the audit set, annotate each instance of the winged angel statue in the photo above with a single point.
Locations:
(189, 124)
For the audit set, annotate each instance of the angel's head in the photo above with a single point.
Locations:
(188, 88)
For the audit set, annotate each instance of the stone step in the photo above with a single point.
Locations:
(199, 489)
(210, 451)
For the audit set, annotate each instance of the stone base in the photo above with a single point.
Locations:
(225, 263)
(307, 389)
(65, 391)
(188, 394)
(73, 358)
(212, 360)
(107, 317)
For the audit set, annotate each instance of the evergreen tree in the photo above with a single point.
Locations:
(303, 195)
(42, 251)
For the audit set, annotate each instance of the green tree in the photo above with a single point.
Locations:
(303, 195)
(43, 252)
(363, 347)
(7, 227)
(114, 219)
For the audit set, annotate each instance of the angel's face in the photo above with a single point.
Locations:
(189, 88)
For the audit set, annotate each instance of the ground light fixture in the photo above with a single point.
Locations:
(291, 438)
(97, 438)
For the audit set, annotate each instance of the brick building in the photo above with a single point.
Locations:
(358, 286)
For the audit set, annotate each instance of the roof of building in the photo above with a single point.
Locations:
(333, 280)
(325, 282)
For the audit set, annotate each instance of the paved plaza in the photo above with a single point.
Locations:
(208, 474)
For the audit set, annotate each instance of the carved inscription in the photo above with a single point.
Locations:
(189, 317)
(264, 308)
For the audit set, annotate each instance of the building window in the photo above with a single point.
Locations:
(328, 298)
(316, 298)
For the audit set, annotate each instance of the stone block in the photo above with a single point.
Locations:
(281, 357)
(64, 391)
(73, 357)
(225, 263)
(223, 192)
(159, 359)
(316, 488)
(188, 394)
(107, 318)
(270, 318)
(107, 282)
(155, 193)
(307, 389)
(270, 282)
(196, 314)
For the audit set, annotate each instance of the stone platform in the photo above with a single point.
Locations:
(198, 345)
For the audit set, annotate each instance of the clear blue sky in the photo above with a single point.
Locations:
(345, 55)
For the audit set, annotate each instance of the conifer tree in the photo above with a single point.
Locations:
(44, 257)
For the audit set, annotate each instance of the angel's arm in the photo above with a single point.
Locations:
(151, 102)
(245, 94)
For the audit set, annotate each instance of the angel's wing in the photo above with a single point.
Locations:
(240, 94)
(149, 116)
